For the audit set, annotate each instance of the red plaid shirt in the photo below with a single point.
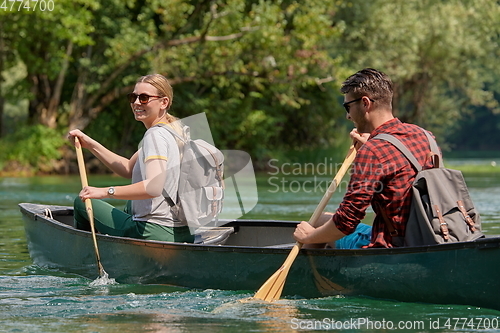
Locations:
(382, 176)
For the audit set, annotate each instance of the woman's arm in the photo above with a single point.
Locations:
(116, 163)
(151, 187)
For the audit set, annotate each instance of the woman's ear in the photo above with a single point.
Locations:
(164, 103)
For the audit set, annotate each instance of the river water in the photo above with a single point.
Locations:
(33, 299)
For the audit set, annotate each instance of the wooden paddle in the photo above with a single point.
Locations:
(272, 288)
(325, 286)
(88, 204)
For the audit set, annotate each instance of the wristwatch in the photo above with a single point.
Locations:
(111, 191)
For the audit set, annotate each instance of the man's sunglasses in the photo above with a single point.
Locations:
(347, 106)
(143, 98)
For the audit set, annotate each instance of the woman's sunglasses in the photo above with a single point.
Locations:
(143, 98)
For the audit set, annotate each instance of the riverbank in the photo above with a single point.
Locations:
(467, 167)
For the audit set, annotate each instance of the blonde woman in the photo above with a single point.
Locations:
(153, 169)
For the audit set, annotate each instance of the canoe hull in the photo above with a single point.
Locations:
(461, 273)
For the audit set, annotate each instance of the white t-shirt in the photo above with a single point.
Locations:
(157, 143)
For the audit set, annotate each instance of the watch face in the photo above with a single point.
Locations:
(111, 191)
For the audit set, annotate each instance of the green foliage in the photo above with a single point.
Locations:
(40, 36)
(32, 147)
(477, 133)
(438, 53)
(266, 83)
(266, 73)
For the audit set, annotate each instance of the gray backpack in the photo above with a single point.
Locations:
(201, 183)
(441, 208)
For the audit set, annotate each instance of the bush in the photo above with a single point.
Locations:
(31, 148)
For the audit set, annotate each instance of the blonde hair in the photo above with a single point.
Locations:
(164, 89)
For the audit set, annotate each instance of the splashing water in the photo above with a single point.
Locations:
(103, 280)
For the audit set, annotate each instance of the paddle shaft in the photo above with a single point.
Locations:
(333, 186)
(88, 203)
(271, 289)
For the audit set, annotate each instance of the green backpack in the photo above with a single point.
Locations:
(441, 209)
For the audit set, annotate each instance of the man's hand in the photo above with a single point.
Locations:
(358, 139)
(303, 230)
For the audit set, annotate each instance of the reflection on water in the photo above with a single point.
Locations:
(485, 192)
(272, 317)
(486, 201)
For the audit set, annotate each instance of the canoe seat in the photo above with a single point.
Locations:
(213, 236)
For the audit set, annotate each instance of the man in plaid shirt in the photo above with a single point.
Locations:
(381, 175)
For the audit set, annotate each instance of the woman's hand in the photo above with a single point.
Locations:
(85, 140)
(89, 192)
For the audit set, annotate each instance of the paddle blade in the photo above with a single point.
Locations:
(271, 289)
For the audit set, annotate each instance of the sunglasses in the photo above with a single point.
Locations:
(347, 106)
(143, 98)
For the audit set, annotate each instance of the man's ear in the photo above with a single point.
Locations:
(365, 101)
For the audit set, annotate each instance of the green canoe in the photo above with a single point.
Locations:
(243, 254)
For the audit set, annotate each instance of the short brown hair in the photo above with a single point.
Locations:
(369, 82)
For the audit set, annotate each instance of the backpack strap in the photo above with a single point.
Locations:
(169, 200)
(392, 231)
(435, 154)
(402, 148)
(432, 143)
(171, 130)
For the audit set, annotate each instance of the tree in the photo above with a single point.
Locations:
(7, 58)
(259, 69)
(275, 82)
(438, 53)
(256, 66)
(2, 61)
(45, 42)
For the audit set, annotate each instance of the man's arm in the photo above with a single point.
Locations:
(326, 233)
